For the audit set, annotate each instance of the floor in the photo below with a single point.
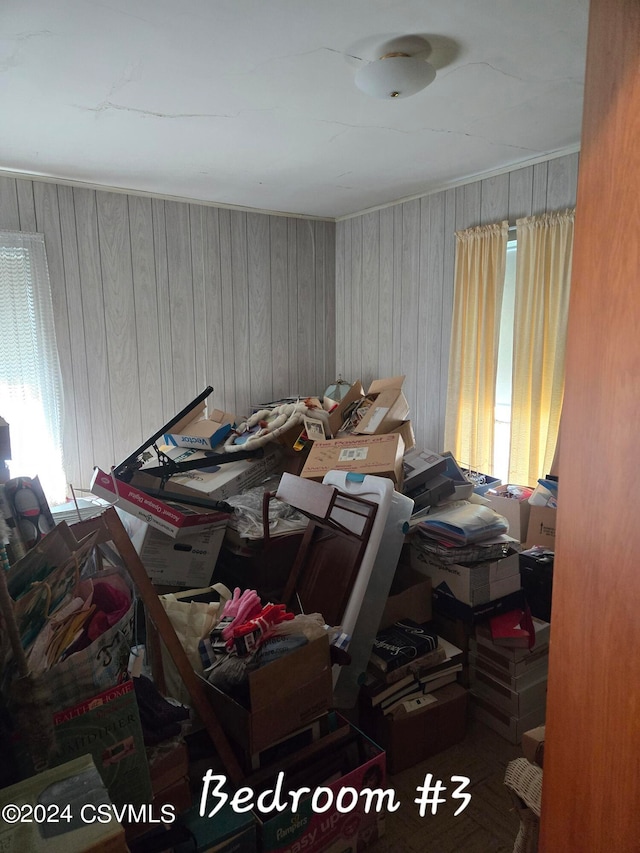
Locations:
(488, 824)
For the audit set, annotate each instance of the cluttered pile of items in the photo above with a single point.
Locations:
(300, 590)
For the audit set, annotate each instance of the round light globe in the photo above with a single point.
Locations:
(395, 76)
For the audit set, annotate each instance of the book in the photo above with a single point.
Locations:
(412, 687)
(401, 643)
(416, 667)
(410, 705)
(431, 681)
(376, 691)
(409, 697)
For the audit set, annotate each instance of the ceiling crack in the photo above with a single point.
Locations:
(105, 106)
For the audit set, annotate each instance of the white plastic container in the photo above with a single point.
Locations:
(369, 595)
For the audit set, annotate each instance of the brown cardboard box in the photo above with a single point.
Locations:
(541, 529)
(356, 392)
(388, 409)
(405, 429)
(533, 745)
(202, 433)
(409, 598)
(178, 794)
(517, 703)
(509, 727)
(168, 763)
(414, 737)
(284, 696)
(380, 455)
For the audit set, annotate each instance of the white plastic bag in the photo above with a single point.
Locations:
(192, 622)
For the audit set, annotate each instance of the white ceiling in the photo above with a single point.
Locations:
(252, 102)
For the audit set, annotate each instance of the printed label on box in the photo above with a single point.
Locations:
(353, 454)
(378, 415)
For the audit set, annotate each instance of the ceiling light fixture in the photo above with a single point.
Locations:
(395, 75)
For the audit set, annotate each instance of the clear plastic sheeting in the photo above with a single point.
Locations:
(248, 519)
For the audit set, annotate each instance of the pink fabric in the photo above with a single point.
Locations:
(111, 605)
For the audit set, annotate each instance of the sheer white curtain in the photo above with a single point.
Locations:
(30, 379)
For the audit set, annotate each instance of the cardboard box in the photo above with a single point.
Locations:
(230, 832)
(283, 696)
(409, 597)
(172, 518)
(412, 738)
(516, 703)
(387, 410)
(380, 455)
(356, 762)
(531, 675)
(75, 783)
(486, 481)
(168, 763)
(188, 562)
(108, 727)
(509, 727)
(337, 413)
(389, 407)
(420, 466)
(456, 609)
(536, 573)
(533, 745)
(430, 493)
(516, 512)
(541, 529)
(202, 433)
(454, 630)
(471, 583)
(177, 794)
(215, 482)
(506, 653)
(408, 436)
(491, 657)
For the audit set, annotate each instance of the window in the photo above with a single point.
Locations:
(30, 380)
(506, 363)
(504, 373)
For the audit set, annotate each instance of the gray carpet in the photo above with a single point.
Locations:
(487, 825)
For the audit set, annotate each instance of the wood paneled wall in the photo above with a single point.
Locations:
(154, 300)
(395, 273)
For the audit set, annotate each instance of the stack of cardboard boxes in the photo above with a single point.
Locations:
(509, 685)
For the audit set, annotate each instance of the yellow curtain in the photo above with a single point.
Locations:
(543, 278)
(479, 284)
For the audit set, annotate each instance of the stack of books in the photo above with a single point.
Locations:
(408, 663)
